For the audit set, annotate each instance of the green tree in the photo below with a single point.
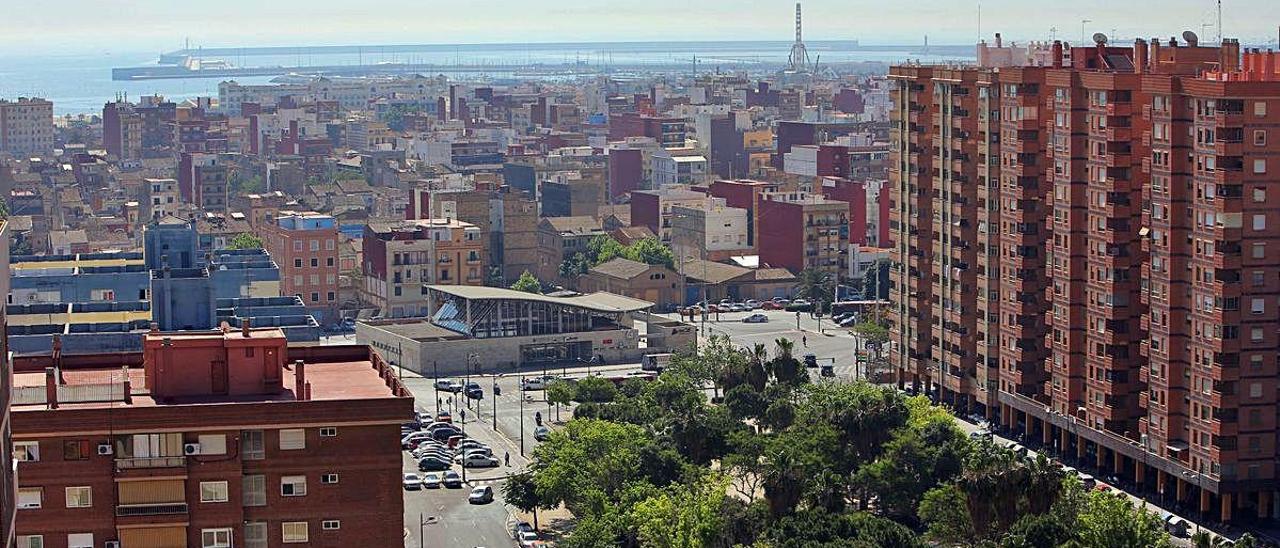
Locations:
(603, 248)
(245, 240)
(745, 403)
(560, 392)
(589, 462)
(943, 510)
(914, 461)
(684, 516)
(784, 367)
(651, 251)
(574, 266)
(528, 284)
(816, 286)
(875, 281)
(594, 390)
(1111, 521)
(521, 492)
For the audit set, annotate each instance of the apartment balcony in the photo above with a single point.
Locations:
(148, 463)
(1119, 109)
(1119, 134)
(154, 509)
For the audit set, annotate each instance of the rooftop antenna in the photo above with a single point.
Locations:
(979, 21)
(1053, 33)
(1219, 22)
(1083, 22)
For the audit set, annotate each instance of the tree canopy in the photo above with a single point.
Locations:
(245, 240)
(528, 284)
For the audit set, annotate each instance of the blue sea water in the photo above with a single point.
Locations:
(81, 83)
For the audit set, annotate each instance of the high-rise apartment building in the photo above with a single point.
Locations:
(8, 480)
(1081, 238)
(209, 439)
(26, 126)
(801, 231)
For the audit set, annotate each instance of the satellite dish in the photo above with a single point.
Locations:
(1099, 38)
(1190, 38)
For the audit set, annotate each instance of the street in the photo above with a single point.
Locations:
(445, 516)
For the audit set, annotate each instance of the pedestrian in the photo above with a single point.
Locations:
(507, 457)
(804, 339)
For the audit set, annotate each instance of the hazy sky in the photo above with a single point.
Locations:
(91, 26)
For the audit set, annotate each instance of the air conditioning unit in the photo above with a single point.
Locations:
(105, 449)
(111, 544)
(190, 449)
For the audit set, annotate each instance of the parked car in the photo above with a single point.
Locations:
(756, 318)
(481, 495)
(472, 452)
(411, 481)
(752, 304)
(443, 434)
(431, 481)
(444, 416)
(799, 305)
(449, 385)
(474, 391)
(848, 322)
(827, 370)
(541, 433)
(524, 534)
(468, 444)
(737, 307)
(452, 480)
(435, 453)
(413, 439)
(810, 360)
(536, 383)
(432, 464)
(478, 460)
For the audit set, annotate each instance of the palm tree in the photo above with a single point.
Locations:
(815, 286)
(1205, 539)
(784, 346)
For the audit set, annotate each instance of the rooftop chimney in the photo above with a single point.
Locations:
(51, 388)
(1139, 56)
(1057, 54)
(998, 40)
(1154, 56)
(1230, 55)
(300, 380)
(245, 325)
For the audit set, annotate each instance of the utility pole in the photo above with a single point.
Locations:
(435, 381)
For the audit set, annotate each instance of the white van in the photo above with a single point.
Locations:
(655, 362)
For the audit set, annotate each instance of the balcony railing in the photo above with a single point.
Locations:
(158, 509)
(150, 462)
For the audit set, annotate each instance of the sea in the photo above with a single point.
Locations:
(79, 83)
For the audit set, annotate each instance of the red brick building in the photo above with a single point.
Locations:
(799, 231)
(1086, 251)
(305, 246)
(211, 439)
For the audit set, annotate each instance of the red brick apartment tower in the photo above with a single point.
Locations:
(947, 359)
(218, 439)
(1023, 201)
(911, 182)
(987, 269)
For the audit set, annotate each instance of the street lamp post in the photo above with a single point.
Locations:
(435, 382)
(423, 522)
(521, 396)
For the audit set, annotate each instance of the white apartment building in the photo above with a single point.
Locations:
(670, 169)
(163, 197)
(702, 231)
(26, 126)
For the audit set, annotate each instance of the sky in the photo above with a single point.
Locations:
(95, 26)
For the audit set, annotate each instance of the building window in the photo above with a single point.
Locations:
(331, 525)
(30, 498)
(254, 490)
(294, 532)
(213, 491)
(328, 261)
(330, 296)
(1260, 137)
(1260, 166)
(297, 245)
(293, 486)
(293, 439)
(252, 446)
(255, 535)
(315, 297)
(329, 245)
(75, 450)
(1260, 108)
(315, 262)
(329, 478)
(297, 263)
(215, 538)
(80, 540)
(79, 497)
(213, 444)
(297, 280)
(30, 541)
(26, 451)
(1260, 250)
(1260, 222)
(315, 245)
(329, 432)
